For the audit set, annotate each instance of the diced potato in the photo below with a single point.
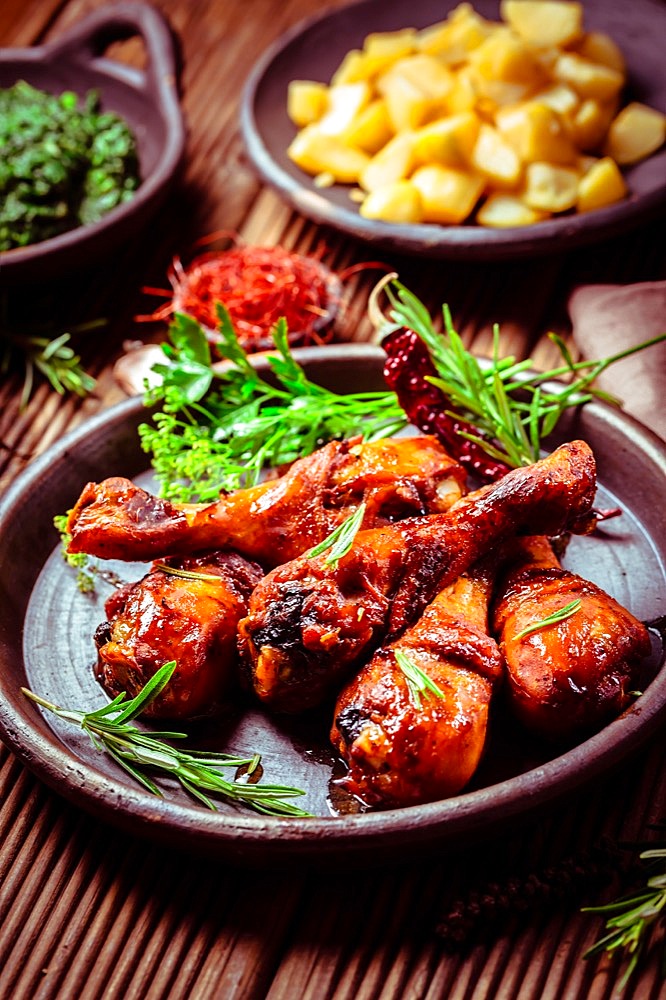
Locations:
(391, 44)
(549, 188)
(585, 163)
(505, 58)
(371, 129)
(602, 185)
(544, 22)
(394, 162)
(357, 66)
(536, 133)
(396, 202)
(635, 133)
(496, 158)
(600, 48)
(453, 40)
(345, 101)
(415, 90)
(590, 123)
(449, 141)
(587, 78)
(316, 153)
(306, 101)
(506, 211)
(448, 196)
(560, 98)
(462, 96)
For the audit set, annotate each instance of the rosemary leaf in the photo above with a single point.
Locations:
(557, 616)
(418, 682)
(341, 539)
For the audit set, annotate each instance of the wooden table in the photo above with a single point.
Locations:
(86, 911)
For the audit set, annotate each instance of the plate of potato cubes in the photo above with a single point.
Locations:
(478, 130)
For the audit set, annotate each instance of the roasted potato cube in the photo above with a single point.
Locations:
(495, 158)
(453, 40)
(306, 101)
(536, 132)
(462, 96)
(549, 188)
(448, 196)
(560, 98)
(602, 185)
(371, 129)
(316, 153)
(396, 202)
(506, 59)
(358, 66)
(590, 123)
(506, 211)
(345, 100)
(415, 89)
(587, 78)
(449, 141)
(635, 133)
(544, 22)
(391, 44)
(393, 162)
(600, 48)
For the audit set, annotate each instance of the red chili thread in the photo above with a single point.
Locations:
(257, 286)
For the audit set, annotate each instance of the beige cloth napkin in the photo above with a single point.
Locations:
(607, 319)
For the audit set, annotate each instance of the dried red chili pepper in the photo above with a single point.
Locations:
(406, 368)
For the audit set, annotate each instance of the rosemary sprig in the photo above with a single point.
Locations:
(187, 574)
(509, 404)
(418, 681)
(632, 921)
(217, 429)
(141, 753)
(560, 615)
(341, 539)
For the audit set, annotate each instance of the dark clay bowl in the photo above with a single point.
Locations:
(47, 625)
(314, 49)
(148, 101)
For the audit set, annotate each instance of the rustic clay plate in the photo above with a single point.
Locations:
(314, 49)
(46, 629)
(146, 98)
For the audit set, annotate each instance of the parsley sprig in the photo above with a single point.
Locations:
(217, 429)
(142, 754)
(511, 405)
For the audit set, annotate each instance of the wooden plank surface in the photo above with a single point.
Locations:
(89, 912)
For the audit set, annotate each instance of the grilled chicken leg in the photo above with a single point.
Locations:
(401, 746)
(279, 519)
(572, 675)
(191, 619)
(311, 623)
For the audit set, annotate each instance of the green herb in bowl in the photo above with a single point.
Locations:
(63, 164)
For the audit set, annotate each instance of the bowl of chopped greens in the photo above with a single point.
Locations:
(91, 145)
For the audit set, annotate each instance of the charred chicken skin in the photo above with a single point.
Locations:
(191, 620)
(310, 623)
(570, 676)
(402, 748)
(279, 519)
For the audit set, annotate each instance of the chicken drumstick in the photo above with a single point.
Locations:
(279, 519)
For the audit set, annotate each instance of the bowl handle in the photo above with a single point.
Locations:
(88, 40)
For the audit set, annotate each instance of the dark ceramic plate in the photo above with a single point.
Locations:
(148, 101)
(314, 49)
(46, 629)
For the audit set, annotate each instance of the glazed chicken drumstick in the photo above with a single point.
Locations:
(310, 622)
(403, 747)
(191, 618)
(572, 675)
(279, 519)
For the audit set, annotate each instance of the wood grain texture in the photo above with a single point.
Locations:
(86, 912)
